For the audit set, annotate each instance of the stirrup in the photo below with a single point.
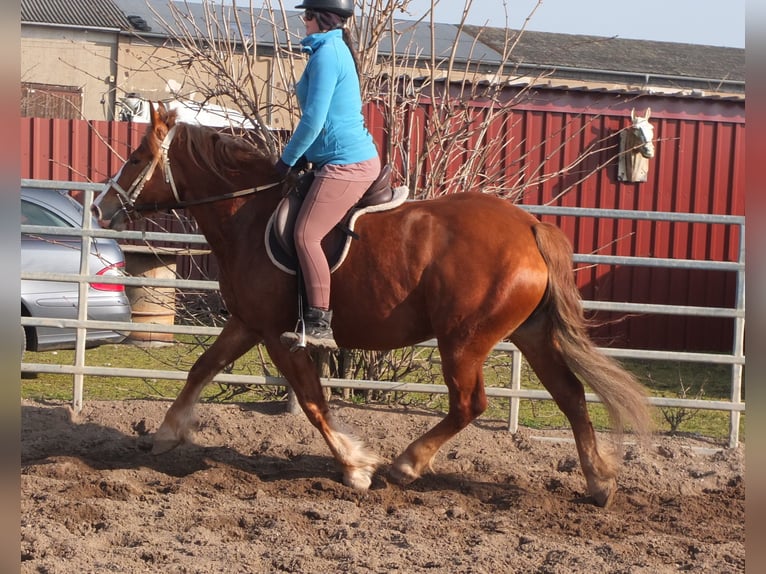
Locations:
(296, 339)
(300, 339)
(313, 329)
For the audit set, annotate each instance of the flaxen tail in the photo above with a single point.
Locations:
(623, 396)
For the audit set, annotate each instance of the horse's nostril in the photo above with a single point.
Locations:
(96, 211)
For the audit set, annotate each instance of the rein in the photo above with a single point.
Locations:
(182, 204)
(132, 193)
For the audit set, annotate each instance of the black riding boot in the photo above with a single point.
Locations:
(318, 331)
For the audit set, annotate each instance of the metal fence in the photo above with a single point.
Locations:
(515, 393)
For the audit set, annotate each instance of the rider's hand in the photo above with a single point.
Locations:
(281, 168)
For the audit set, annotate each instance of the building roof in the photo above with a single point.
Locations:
(566, 60)
(80, 13)
(710, 67)
(414, 40)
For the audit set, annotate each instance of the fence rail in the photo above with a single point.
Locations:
(735, 406)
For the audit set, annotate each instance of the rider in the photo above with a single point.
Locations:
(332, 135)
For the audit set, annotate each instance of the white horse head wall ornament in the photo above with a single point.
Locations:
(636, 148)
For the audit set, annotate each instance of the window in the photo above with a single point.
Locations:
(33, 214)
(50, 101)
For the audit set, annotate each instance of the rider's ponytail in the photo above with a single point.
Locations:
(331, 21)
(350, 43)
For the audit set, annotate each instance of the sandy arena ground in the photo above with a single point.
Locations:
(259, 492)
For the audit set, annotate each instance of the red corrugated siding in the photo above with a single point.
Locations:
(75, 150)
(698, 167)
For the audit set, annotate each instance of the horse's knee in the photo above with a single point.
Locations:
(465, 413)
(479, 405)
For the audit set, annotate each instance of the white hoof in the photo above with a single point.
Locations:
(358, 478)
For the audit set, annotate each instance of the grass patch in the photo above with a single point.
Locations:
(662, 378)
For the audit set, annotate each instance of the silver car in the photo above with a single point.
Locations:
(61, 254)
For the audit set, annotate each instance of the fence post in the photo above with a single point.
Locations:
(293, 407)
(739, 346)
(321, 360)
(82, 303)
(513, 414)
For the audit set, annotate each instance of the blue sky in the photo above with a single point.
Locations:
(710, 22)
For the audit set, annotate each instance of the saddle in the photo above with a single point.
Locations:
(380, 196)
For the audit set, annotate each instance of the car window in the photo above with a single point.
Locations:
(33, 214)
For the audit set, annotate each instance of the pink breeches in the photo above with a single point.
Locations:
(335, 190)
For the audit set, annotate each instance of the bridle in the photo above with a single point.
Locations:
(129, 196)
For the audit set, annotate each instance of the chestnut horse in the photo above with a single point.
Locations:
(467, 269)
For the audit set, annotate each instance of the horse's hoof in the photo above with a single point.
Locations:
(604, 497)
(358, 479)
(165, 441)
(402, 472)
(163, 446)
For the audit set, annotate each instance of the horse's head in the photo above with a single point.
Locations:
(643, 131)
(144, 179)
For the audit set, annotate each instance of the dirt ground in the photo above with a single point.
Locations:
(259, 492)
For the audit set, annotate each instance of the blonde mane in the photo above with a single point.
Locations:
(223, 154)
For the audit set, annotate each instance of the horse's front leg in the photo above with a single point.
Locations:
(234, 341)
(357, 461)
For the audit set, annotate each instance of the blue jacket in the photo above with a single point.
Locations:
(331, 128)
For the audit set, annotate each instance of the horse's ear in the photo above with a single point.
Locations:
(155, 113)
(648, 113)
(633, 114)
(159, 116)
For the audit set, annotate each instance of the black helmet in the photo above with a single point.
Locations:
(343, 8)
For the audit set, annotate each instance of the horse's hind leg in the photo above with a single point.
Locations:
(357, 461)
(234, 340)
(566, 389)
(467, 400)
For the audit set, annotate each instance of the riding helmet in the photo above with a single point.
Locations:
(343, 8)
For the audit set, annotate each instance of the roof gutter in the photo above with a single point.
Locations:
(643, 75)
(71, 26)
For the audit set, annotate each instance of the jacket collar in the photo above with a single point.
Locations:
(313, 42)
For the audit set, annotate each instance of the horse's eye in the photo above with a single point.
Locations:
(134, 160)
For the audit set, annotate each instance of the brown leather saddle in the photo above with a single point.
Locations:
(279, 231)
